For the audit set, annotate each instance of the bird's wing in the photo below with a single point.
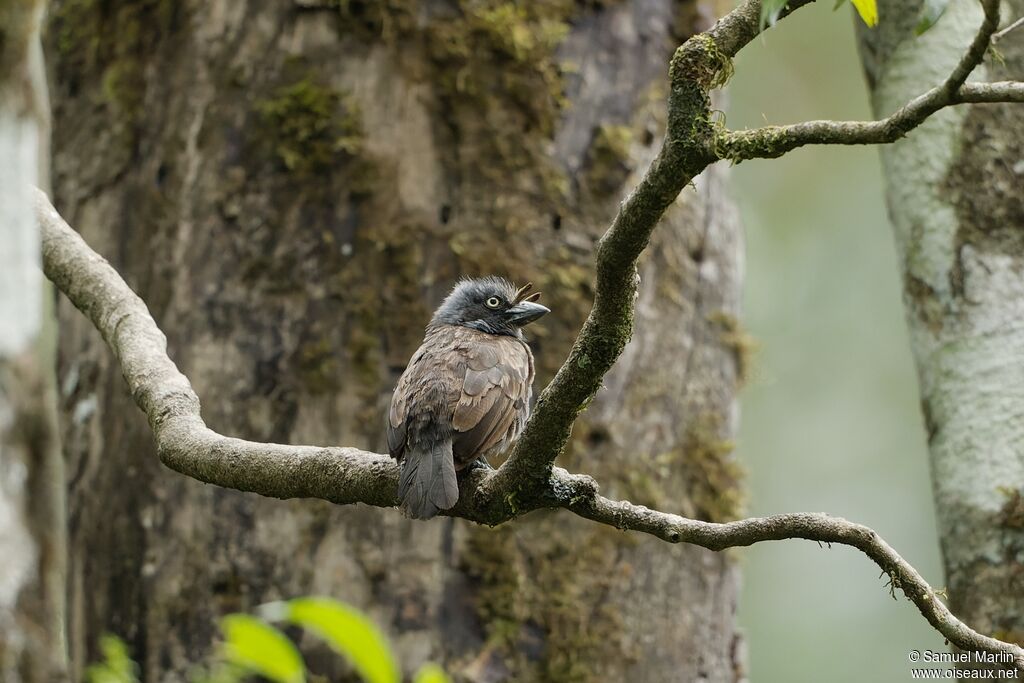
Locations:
(396, 422)
(494, 391)
(399, 412)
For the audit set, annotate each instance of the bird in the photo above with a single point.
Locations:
(466, 392)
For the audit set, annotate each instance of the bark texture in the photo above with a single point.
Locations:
(31, 478)
(292, 188)
(954, 191)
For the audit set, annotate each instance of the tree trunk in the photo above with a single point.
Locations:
(954, 188)
(292, 188)
(31, 477)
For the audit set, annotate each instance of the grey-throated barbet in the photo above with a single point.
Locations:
(466, 392)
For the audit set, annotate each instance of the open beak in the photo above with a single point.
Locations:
(526, 309)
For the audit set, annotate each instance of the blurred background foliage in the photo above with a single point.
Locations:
(830, 418)
(253, 647)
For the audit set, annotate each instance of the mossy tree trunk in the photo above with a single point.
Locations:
(954, 189)
(292, 187)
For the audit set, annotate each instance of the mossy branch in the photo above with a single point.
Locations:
(349, 475)
(701, 63)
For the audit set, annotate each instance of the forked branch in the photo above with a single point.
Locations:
(774, 141)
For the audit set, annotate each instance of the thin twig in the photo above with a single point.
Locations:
(1015, 25)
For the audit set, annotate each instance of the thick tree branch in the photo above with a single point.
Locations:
(774, 141)
(349, 475)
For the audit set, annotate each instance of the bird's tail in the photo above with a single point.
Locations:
(427, 483)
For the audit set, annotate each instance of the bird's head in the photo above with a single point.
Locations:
(489, 304)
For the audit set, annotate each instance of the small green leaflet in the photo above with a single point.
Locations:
(930, 13)
(350, 633)
(116, 667)
(261, 649)
(771, 9)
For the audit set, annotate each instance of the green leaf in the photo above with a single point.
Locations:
(770, 10)
(350, 633)
(431, 673)
(116, 666)
(868, 11)
(261, 649)
(930, 13)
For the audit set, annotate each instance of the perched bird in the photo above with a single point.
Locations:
(466, 392)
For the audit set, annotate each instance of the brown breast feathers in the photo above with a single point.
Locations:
(474, 384)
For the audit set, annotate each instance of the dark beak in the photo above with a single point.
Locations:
(525, 312)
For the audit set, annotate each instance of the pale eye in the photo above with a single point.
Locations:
(493, 302)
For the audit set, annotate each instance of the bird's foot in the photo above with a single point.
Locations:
(480, 463)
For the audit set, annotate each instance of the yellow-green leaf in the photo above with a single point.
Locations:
(116, 667)
(261, 649)
(350, 634)
(868, 11)
(431, 673)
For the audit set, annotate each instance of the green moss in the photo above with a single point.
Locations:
(496, 89)
(318, 366)
(498, 582)
(493, 66)
(123, 87)
(701, 464)
(376, 19)
(519, 39)
(608, 159)
(311, 127)
(530, 600)
(712, 474)
(1011, 515)
(90, 32)
(113, 42)
(720, 62)
(520, 33)
(734, 337)
(75, 24)
(384, 316)
(701, 61)
(473, 37)
(496, 73)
